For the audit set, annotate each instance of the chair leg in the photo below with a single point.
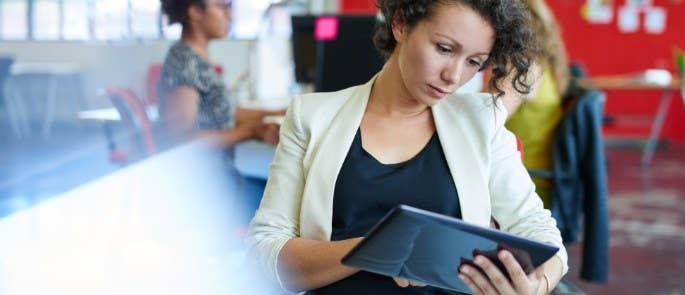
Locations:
(20, 118)
(50, 106)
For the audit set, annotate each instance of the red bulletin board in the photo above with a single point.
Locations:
(604, 50)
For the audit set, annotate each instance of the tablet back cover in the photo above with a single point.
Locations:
(428, 247)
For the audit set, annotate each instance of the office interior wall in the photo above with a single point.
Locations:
(605, 50)
(118, 64)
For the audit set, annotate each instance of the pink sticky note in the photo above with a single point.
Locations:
(326, 28)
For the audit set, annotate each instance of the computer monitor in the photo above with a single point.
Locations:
(350, 58)
(304, 47)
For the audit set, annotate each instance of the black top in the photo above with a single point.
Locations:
(367, 189)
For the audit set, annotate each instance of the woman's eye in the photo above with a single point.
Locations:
(474, 63)
(443, 49)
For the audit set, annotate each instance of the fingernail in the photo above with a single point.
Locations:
(462, 277)
(479, 260)
(464, 269)
(502, 255)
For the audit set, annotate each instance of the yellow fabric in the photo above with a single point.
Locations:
(534, 123)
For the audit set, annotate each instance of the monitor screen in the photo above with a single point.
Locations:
(348, 57)
(304, 47)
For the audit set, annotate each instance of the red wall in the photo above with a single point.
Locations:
(606, 51)
(357, 6)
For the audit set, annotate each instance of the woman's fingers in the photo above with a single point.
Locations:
(494, 275)
(469, 283)
(416, 284)
(406, 283)
(481, 282)
(519, 279)
(401, 282)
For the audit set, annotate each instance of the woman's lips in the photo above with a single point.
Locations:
(438, 92)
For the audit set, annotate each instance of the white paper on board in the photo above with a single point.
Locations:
(628, 19)
(600, 14)
(655, 20)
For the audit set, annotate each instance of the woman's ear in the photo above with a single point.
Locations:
(399, 30)
(195, 13)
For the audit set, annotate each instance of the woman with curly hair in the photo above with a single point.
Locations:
(194, 101)
(346, 158)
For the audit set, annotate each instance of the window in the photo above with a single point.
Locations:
(117, 20)
(75, 19)
(13, 19)
(46, 20)
(145, 18)
(110, 20)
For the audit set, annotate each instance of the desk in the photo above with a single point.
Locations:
(111, 114)
(161, 226)
(252, 157)
(47, 76)
(623, 82)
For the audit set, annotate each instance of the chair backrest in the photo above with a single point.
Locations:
(151, 79)
(135, 119)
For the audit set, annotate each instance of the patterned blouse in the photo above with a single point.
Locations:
(184, 67)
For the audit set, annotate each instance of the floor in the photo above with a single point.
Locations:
(647, 209)
(647, 225)
(36, 168)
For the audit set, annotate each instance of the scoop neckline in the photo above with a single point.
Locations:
(394, 165)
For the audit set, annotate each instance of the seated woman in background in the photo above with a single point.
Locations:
(534, 117)
(346, 158)
(194, 101)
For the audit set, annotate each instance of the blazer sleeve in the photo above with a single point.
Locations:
(515, 204)
(277, 219)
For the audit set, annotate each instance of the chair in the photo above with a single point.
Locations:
(151, 79)
(135, 120)
(5, 66)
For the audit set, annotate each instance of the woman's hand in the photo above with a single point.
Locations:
(267, 133)
(406, 283)
(492, 281)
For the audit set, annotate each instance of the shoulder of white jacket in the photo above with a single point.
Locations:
(318, 101)
(478, 108)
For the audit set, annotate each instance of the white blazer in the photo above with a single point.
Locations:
(317, 133)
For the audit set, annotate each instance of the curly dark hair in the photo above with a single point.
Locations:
(515, 49)
(177, 10)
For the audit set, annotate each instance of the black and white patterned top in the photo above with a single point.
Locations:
(184, 67)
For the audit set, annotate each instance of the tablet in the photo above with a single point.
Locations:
(428, 247)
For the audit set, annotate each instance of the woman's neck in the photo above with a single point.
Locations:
(198, 42)
(390, 96)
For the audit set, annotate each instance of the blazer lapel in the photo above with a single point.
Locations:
(317, 199)
(462, 159)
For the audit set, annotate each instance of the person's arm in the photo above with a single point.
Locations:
(308, 264)
(249, 115)
(274, 241)
(515, 204)
(180, 114)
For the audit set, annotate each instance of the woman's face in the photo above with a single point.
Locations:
(443, 52)
(216, 18)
